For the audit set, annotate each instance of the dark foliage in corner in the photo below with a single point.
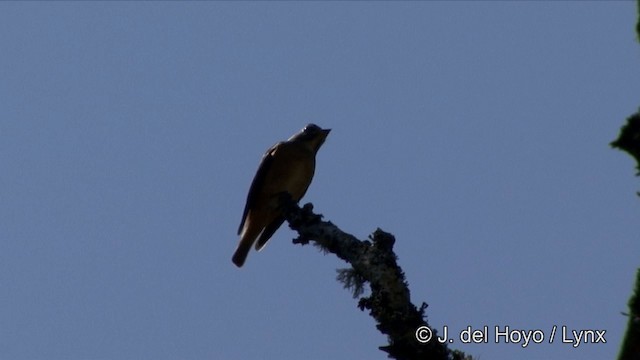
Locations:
(629, 138)
(629, 141)
(638, 23)
(630, 345)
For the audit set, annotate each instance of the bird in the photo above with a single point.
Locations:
(287, 166)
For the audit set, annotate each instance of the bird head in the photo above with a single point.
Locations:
(311, 135)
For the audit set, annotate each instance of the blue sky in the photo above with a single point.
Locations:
(476, 133)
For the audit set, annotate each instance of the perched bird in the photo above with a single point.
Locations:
(286, 166)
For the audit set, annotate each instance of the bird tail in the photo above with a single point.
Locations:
(241, 253)
(247, 238)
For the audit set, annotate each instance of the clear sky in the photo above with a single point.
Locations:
(476, 133)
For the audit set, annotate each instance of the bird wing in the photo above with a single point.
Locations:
(258, 182)
(268, 231)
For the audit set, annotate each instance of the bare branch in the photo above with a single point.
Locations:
(372, 262)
